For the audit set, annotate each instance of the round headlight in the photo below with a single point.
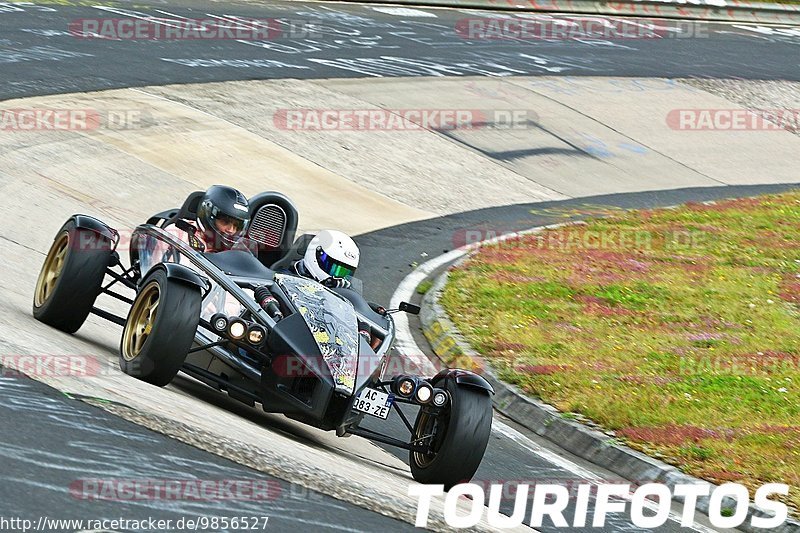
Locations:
(424, 393)
(439, 398)
(237, 329)
(405, 387)
(219, 322)
(255, 334)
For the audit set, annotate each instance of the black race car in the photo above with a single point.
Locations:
(233, 321)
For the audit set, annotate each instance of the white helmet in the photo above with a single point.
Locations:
(331, 254)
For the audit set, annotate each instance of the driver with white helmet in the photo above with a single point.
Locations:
(331, 259)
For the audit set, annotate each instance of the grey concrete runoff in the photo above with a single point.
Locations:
(707, 10)
(546, 421)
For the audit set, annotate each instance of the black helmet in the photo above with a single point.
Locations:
(223, 206)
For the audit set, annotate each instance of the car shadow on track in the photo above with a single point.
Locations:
(95, 339)
(296, 431)
(107, 354)
(274, 422)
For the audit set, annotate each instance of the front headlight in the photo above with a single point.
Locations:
(237, 328)
(404, 386)
(424, 392)
(219, 322)
(256, 334)
(440, 398)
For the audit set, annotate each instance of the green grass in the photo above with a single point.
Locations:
(424, 287)
(794, 2)
(678, 329)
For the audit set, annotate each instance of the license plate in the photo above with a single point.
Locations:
(374, 402)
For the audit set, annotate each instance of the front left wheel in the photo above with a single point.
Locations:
(160, 329)
(458, 437)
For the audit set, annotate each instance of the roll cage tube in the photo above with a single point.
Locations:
(209, 270)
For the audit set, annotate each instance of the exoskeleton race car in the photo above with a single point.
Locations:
(315, 354)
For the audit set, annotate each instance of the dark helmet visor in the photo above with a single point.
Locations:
(332, 267)
(238, 224)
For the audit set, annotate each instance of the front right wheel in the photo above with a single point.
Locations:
(71, 277)
(458, 438)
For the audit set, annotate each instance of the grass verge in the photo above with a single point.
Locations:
(677, 329)
(791, 2)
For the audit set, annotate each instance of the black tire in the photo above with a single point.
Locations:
(71, 277)
(153, 347)
(459, 441)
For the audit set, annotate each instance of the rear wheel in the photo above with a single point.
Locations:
(160, 329)
(71, 278)
(459, 438)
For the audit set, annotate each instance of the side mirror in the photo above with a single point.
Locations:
(411, 309)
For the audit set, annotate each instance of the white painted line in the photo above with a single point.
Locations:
(404, 341)
(576, 469)
(403, 12)
(139, 15)
(487, 14)
(173, 15)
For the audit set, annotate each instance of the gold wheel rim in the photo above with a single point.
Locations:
(51, 269)
(140, 321)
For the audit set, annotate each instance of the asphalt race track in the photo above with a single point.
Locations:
(39, 56)
(49, 441)
(38, 468)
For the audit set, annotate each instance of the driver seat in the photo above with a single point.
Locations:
(273, 224)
